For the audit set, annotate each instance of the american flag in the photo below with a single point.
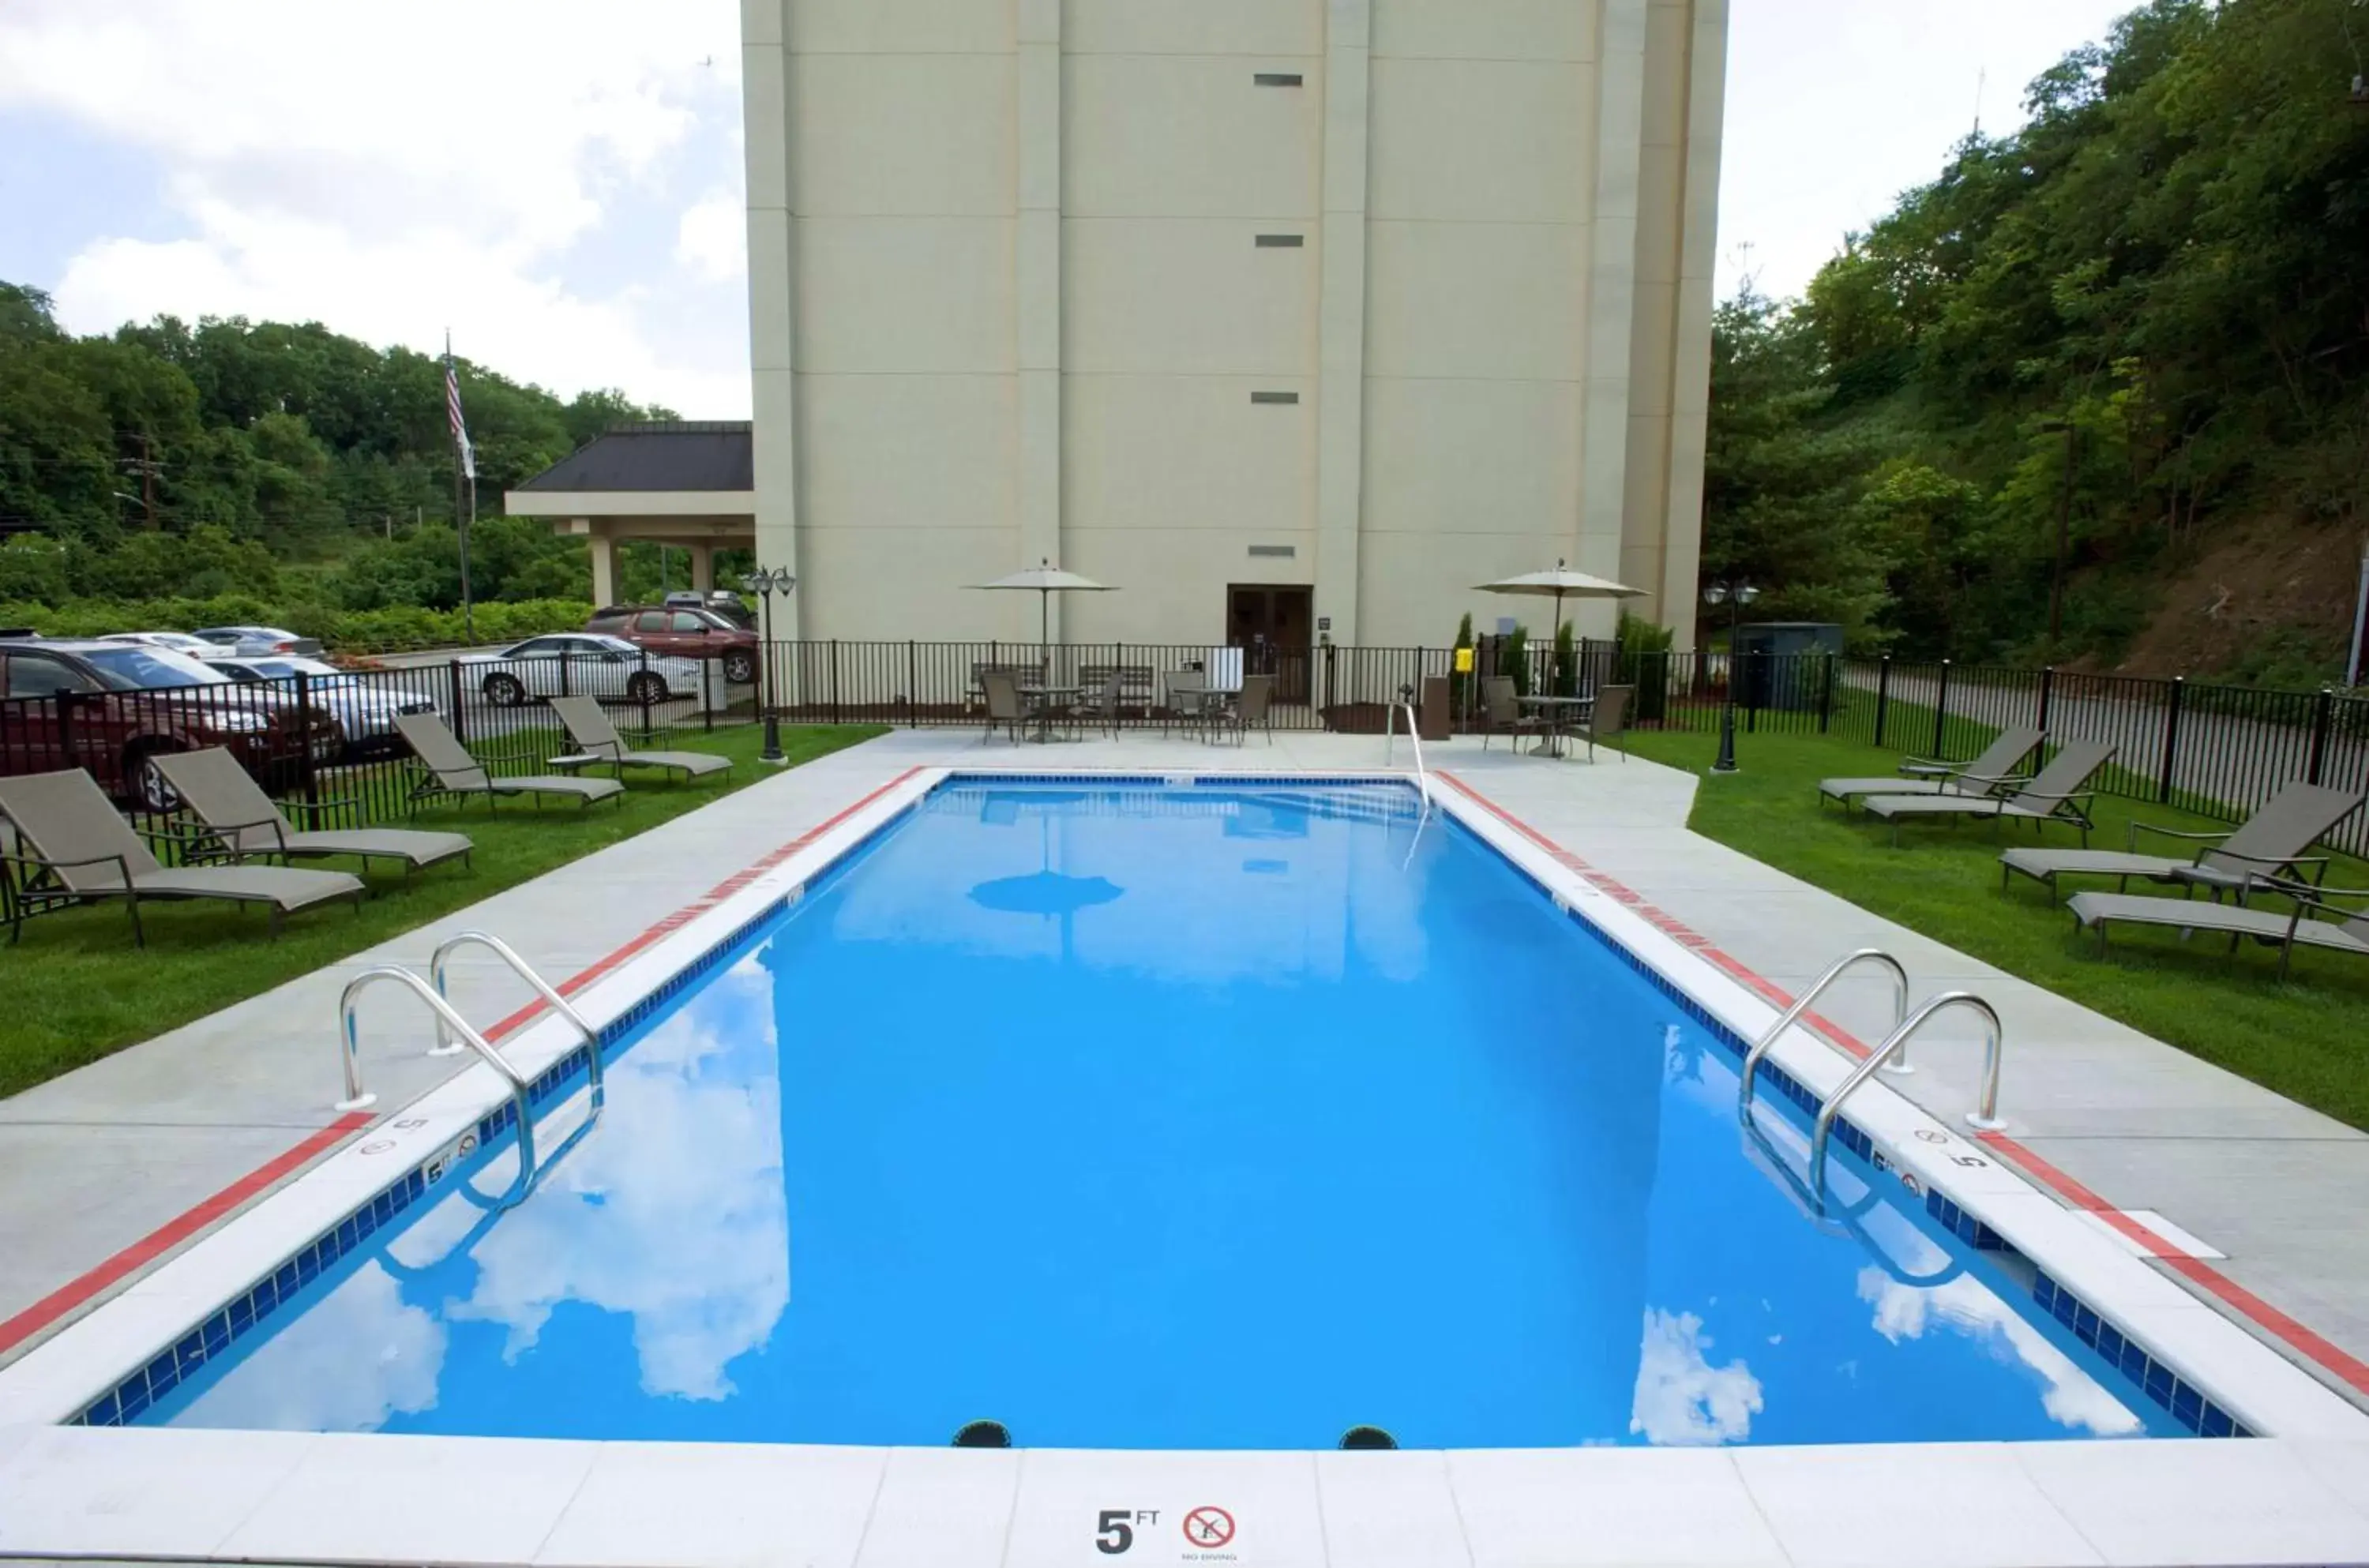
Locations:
(452, 408)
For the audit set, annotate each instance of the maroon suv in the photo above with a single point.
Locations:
(111, 706)
(683, 632)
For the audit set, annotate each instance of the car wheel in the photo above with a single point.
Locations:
(147, 780)
(504, 690)
(741, 669)
(647, 686)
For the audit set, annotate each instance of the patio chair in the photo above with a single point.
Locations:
(1608, 721)
(1102, 705)
(1501, 711)
(1187, 693)
(451, 771)
(1003, 704)
(1249, 709)
(597, 740)
(2053, 795)
(80, 850)
(1986, 774)
(2274, 839)
(236, 821)
(2312, 922)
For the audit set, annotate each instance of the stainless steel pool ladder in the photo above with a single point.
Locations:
(1389, 743)
(1801, 1005)
(1984, 1115)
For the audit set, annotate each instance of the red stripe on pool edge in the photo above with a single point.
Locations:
(2348, 1368)
(171, 1234)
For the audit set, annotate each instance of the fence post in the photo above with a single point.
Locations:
(2323, 714)
(1754, 689)
(1941, 710)
(2172, 736)
(834, 679)
(1882, 696)
(1827, 697)
(912, 684)
(564, 689)
(310, 784)
(2047, 688)
(460, 709)
(642, 688)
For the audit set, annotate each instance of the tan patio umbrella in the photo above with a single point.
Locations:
(1561, 584)
(1045, 579)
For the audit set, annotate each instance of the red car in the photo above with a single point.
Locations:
(109, 707)
(683, 632)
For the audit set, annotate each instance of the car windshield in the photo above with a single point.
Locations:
(131, 668)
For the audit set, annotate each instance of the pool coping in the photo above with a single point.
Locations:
(54, 1381)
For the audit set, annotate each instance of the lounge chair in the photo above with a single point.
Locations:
(451, 771)
(1004, 708)
(81, 850)
(2340, 931)
(237, 821)
(1986, 774)
(1248, 709)
(2274, 839)
(2053, 795)
(1501, 711)
(597, 740)
(1607, 721)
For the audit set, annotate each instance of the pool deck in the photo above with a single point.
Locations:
(99, 1170)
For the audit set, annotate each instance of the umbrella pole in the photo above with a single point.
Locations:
(1045, 634)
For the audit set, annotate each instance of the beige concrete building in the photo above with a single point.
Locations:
(1278, 315)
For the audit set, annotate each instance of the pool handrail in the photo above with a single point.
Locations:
(1985, 1114)
(1391, 712)
(441, 958)
(1801, 1005)
(357, 1098)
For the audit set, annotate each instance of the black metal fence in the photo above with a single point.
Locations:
(331, 739)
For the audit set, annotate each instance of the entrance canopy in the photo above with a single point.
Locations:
(681, 482)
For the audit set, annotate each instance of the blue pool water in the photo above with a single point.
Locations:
(1189, 1118)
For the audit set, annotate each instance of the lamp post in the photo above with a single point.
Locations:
(769, 581)
(1736, 596)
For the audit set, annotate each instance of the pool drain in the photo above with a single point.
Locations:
(983, 1434)
(1367, 1437)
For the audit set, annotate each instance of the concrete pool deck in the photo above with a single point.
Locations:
(95, 1164)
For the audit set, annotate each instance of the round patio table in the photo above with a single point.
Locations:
(1562, 711)
(1042, 696)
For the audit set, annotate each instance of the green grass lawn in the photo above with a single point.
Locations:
(76, 989)
(2306, 1038)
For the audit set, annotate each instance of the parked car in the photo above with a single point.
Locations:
(179, 642)
(111, 706)
(722, 602)
(365, 708)
(684, 630)
(579, 664)
(259, 639)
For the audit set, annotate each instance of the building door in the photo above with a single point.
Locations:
(1271, 626)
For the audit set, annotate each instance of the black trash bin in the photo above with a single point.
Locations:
(1781, 664)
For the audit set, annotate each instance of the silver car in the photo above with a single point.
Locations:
(258, 640)
(583, 664)
(179, 642)
(364, 707)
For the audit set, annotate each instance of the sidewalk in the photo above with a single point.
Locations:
(95, 1162)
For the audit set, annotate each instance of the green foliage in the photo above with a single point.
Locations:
(1645, 661)
(1459, 686)
(1513, 658)
(1566, 663)
(2169, 259)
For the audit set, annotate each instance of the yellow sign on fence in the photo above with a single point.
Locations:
(1464, 661)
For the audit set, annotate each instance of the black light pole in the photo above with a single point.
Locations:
(767, 582)
(1736, 596)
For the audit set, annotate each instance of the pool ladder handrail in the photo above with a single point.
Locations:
(1391, 712)
(1801, 1005)
(440, 960)
(357, 1098)
(1985, 1116)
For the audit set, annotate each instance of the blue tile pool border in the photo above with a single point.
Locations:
(215, 1334)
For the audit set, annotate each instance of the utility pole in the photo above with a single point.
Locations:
(146, 465)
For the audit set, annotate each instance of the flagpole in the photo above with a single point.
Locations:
(461, 465)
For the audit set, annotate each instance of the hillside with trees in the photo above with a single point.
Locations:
(267, 472)
(2128, 344)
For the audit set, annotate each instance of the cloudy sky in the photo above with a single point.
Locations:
(558, 181)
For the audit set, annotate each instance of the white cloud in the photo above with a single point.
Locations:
(396, 171)
(712, 239)
(1681, 1398)
(346, 1363)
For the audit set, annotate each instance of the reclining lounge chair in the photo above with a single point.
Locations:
(240, 822)
(2339, 930)
(81, 850)
(2274, 839)
(597, 740)
(1986, 774)
(451, 771)
(2053, 795)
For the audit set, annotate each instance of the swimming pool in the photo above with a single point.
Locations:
(1223, 1116)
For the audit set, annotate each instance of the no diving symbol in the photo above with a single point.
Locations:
(1208, 1526)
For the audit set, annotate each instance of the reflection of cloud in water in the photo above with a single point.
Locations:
(1681, 1397)
(672, 1211)
(345, 1364)
(1966, 1307)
